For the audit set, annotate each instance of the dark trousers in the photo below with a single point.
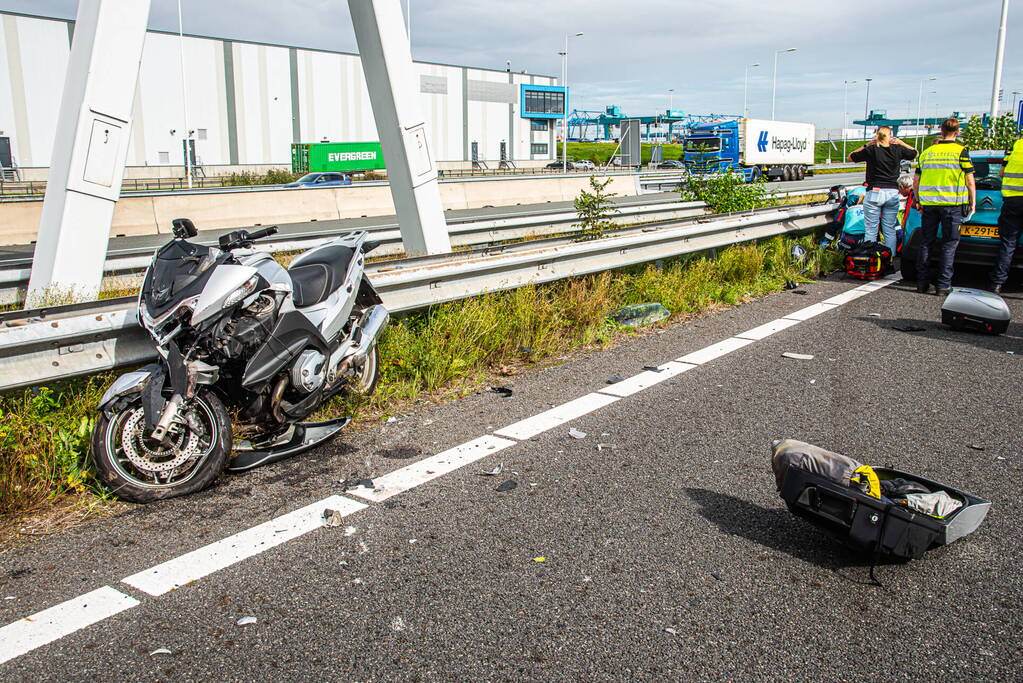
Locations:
(1010, 225)
(948, 218)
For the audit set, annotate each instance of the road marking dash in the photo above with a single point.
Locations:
(811, 311)
(709, 353)
(645, 380)
(767, 329)
(435, 466)
(225, 552)
(558, 415)
(61, 620)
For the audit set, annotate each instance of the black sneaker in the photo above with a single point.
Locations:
(942, 292)
(922, 287)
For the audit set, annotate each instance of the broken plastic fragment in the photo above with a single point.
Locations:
(576, 434)
(909, 328)
(492, 473)
(332, 517)
(976, 447)
(246, 621)
(504, 392)
(797, 356)
(652, 368)
(161, 651)
(507, 486)
(670, 631)
(539, 559)
(392, 419)
(638, 315)
(615, 379)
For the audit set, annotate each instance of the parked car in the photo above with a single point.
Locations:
(558, 165)
(978, 244)
(321, 180)
(584, 165)
(672, 164)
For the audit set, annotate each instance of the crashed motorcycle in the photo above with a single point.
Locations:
(245, 346)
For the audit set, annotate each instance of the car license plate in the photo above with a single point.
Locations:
(979, 231)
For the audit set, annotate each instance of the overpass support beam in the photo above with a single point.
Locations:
(394, 94)
(89, 151)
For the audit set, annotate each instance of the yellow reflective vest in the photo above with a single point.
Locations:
(942, 177)
(1012, 179)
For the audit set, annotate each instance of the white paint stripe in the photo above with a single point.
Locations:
(709, 353)
(60, 620)
(767, 329)
(645, 380)
(215, 556)
(558, 415)
(810, 311)
(430, 468)
(846, 297)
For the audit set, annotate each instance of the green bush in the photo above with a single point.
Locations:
(595, 209)
(725, 192)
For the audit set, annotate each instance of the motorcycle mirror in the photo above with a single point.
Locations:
(798, 252)
(369, 246)
(184, 228)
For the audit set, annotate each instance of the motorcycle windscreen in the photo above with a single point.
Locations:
(180, 268)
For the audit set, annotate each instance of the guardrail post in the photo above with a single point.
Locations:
(89, 150)
(394, 93)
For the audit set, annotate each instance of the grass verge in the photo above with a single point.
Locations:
(437, 354)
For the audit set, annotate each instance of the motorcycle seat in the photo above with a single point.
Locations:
(316, 274)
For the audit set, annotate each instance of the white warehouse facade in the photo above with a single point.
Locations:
(248, 102)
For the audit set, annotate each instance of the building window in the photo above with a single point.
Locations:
(538, 124)
(202, 133)
(164, 157)
(545, 102)
(538, 148)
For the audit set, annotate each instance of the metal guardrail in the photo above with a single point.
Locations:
(42, 346)
(14, 273)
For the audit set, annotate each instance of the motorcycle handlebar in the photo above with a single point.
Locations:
(265, 232)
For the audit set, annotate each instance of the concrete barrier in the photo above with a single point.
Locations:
(152, 214)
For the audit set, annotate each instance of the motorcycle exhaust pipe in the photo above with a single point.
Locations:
(372, 325)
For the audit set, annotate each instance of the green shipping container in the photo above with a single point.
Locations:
(336, 156)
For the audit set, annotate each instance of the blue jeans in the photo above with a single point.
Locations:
(881, 208)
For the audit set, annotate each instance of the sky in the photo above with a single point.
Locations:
(632, 54)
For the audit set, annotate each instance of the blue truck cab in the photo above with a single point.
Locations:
(753, 148)
(978, 243)
(714, 148)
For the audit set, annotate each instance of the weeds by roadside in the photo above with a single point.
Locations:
(726, 192)
(438, 354)
(595, 209)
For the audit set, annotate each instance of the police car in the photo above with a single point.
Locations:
(978, 243)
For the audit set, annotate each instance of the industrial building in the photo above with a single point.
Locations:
(247, 102)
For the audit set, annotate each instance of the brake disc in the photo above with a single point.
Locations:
(142, 454)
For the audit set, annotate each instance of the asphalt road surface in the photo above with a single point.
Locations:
(667, 553)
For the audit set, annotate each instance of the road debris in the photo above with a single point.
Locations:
(670, 631)
(398, 624)
(332, 517)
(540, 559)
(873, 315)
(503, 392)
(506, 486)
(909, 328)
(800, 291)
(355, 481)
(615, 379)
(576, 434)
(350, 530)
(638, 315)
(976, 447)
(246, 621)
(652, 368)
(602, 446)
(717, 576)
(492, 473)
(392, 419)
(789, 284)
(797, 356)
(161, 651)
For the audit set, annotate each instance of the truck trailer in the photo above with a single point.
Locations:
(755, 148)
(346, 157)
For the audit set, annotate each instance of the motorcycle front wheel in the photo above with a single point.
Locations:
(140, 470)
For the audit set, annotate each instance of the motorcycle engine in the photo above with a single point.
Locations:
(248, 328)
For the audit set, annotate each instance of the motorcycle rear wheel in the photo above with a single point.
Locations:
(138, 470)
(364, 380)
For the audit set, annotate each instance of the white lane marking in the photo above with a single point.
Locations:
(215, 556)
(804, 314)
(558, 415)
(767, 329)
(846, 297)
(647, 379)
(60, 620)
(709, 353)
(435, 466)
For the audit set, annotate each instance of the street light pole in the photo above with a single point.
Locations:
(184, 99)
(671, 99)
(745, 90)
(919, 96)
(845, 113)
(774, 83)
(996, 85)
(866, 107)
(564, 81)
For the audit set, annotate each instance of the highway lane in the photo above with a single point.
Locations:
(673, 523)
(12, 254)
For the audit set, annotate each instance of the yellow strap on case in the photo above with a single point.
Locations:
(873, 483)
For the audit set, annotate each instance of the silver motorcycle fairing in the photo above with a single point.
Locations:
(331, 314)
(226, 280)
(128, 383)
(269, 269)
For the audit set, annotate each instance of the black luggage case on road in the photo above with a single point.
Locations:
(872, 525)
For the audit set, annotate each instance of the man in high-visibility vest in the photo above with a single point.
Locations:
(947, 193)
(1010, 220)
